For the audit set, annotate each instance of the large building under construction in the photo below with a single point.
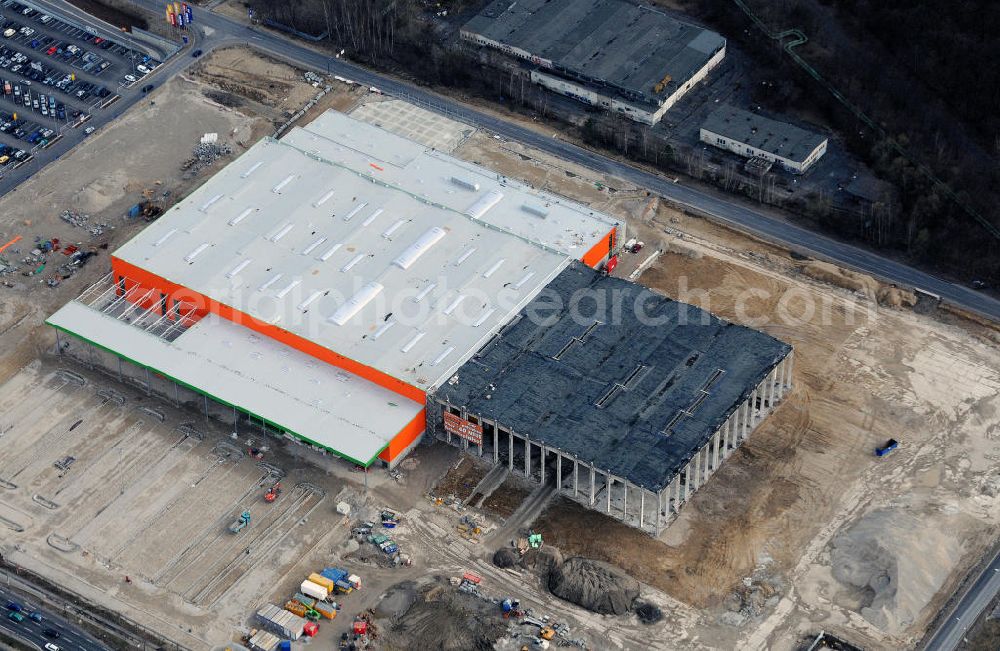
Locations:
(615, 54)
(353, 290)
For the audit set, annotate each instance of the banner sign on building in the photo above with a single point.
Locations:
(458, 426)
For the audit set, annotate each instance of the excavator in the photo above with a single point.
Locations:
(272, 492)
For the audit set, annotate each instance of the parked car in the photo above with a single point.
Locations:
(34, 615)
(196, 53)
(51, 632)
(16, 616)
(89, 130)
(130, 79)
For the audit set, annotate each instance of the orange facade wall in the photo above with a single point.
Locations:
(204, 305)
(406, 436)
(599, 251)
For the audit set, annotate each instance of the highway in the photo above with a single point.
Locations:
(70, 637)
(951, 631)
(213, 30)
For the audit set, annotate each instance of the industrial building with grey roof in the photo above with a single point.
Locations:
(751, 134)
(644, 56)
(643, 395)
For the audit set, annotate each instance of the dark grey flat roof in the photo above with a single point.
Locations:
(633, 396)
(779, 138)
(612, 41)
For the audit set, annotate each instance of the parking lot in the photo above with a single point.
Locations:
(84, 456)
(56, 76)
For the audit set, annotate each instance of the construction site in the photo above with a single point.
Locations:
(147, 466)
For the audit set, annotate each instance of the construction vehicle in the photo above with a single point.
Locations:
(889, 446)
(241, 523)
(547, 633)
(272, 492)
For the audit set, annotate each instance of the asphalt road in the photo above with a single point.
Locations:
(951, 631)
(71, 638)
(211, 31)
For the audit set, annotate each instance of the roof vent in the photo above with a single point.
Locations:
(465, 183)
(424, 292)
(429, 238)
(538, 211)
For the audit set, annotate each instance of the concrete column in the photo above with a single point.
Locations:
(718, 443)
(510, 451)
(592, 494)
(527, 457)
(789, 365)
(625, 503)
(659, 513)
(607, 489)
(59, 352)
(728, 436)
(708, 462)
(558, 472)
(773, 388)
(698, 461)
(687, 481)
(149, 390)
(677, 493)
(576, 477)
(120, 379)
(746, 417)
(542, 458)
(642, 506)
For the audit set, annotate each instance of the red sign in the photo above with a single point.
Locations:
(460, 427)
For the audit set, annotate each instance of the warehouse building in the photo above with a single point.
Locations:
(613, 54)
(352, 290)
(755, 137)
(627, 409)
(323, 284)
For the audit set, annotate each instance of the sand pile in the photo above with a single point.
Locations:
(834, 275)
(893, 584)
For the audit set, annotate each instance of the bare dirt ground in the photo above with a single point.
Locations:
(804, 528)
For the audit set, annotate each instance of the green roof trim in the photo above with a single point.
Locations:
(218, 400)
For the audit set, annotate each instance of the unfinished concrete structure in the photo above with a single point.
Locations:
(621, 398)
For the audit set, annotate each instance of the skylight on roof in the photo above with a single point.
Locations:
(424, 292)
(524, 279)
(429, 238)
(484, 204)
(465, 256)
(281, 232)
(309, 249)
(288, 179)
(444, 354)
(310, 300)
(355, 260)
(289, 287)
(382, 329)
(238, 268)
(208, 204)
(354, 304)
(166, 236)
(354, 211)
(493, 269)
(368, 220)
(326, 197)
(454, 304)
(189, 258)
(240, 217)
(412, 342)
(270, 281)
(387, 233)
(253, 168)
(482, 317)
(329, 252)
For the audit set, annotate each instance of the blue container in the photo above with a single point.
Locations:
(285, 645)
